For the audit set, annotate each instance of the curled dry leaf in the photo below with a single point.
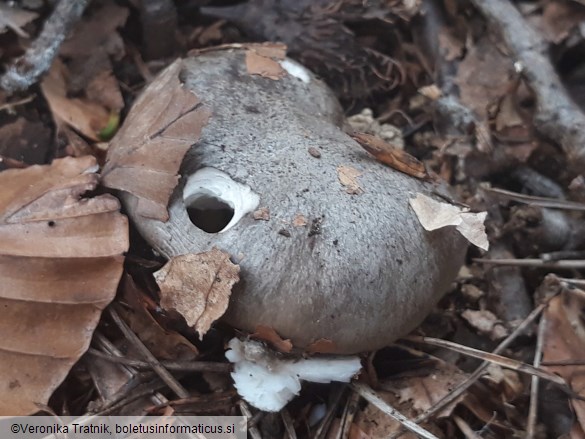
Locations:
(434, 215)
(269, 335)
(145, 155)
(198, 286)
(348, 178)
(394, 157)
(60, 263)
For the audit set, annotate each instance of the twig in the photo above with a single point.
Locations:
(557, 116)
(369, 395)
(288, 423)
(577, 282)
(463, 386)
(190, 366)
(221, 399)
(252, 429)
(38, 58)
(135, 378)
(155, 364)
(349, 412)
(465, 428)
(505, 362)
(563, 264)
(12, 163)
(9, 106)
(532, 200)
(337, 393)
(533, 407)
(149, 389)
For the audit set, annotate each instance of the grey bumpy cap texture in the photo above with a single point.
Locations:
(363, 271)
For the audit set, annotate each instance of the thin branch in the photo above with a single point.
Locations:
(563, 264)
(557, 116)
(369, 395)
(155, 364)
(532, 200)
(533, 407)
(186, 366)
(38, 58)
(252, 429)
(465, 428)
(463, 386)
(135, 380)
(288, 424)
(505, 362)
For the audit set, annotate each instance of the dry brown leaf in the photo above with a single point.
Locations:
(262, 214)
(269, 335)
(25, 141)
(376, 424)
(198, 286)
(103, 89)
(483, 76)
(394, 157)
(564, 340)
(508, 114)
(486, 323)
(558, 19)
(431, 92)
(61, 260)
(97, 32)
(263, 66)
(164, 344)
(14, 18)
(145, 155)
(91, 70)
(86, 117)
(434, 215)
(299, 220)
(451, 47)
(276, 51)
(426, 390)
(348, 178)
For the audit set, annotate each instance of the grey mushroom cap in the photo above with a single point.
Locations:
(362, 272)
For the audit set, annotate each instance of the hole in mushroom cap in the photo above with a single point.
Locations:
(215, 202)
(209, 213)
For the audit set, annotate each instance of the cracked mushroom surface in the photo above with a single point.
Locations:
(360, 271)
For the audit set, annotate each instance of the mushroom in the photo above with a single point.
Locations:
(349, 264)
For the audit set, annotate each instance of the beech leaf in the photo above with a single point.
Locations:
(60, 263)
(145, 155)
(198, 286)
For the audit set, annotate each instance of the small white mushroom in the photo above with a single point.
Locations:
(269, 382)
